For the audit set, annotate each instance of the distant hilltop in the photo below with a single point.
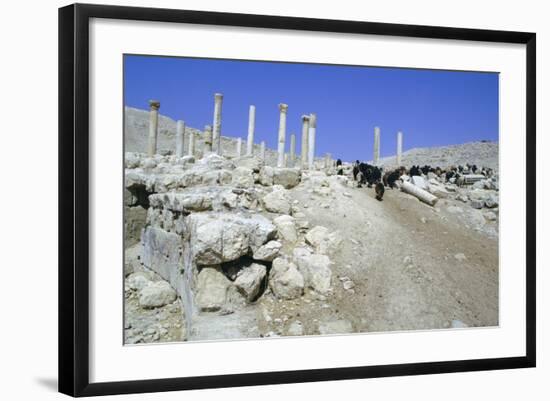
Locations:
(482, 153)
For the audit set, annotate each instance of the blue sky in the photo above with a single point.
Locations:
(431, 108)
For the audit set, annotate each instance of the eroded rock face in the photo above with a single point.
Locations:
(285, 280)
(156, 294)
(250, 279)
(162, 252)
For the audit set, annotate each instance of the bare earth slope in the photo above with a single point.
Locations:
(400, 254)
(480, 153)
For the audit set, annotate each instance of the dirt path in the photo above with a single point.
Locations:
(414, 266)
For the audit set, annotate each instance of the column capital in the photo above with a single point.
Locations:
(218, 96)
(305, 118)
(313, 120)
(154, 104)
(283, 107)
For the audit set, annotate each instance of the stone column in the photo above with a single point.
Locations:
(399, 147)
(191, 146)
(305, 134)
(239, 146)
(208, 137)
(251, 127)
(180, 138)
(217, 130)
(311, 139)
(262, 151)
(376, 155)
(292, 150)
(282, 135)
(154, 106)
(327, 160)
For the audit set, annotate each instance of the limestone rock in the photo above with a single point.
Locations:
(287, 177)
(316, 271)
(251, 162)
(285, 280)
(477, 203)
(268, 252)
(243, 177)
(162, 252)
(491, 201)
(134, 221)
(156, 294)
(224, 237)
(277, 201)
(266, 175)
(138, 281)
(194, 200)
(132, 259)
(322, 240)
(212, 286)
(286, 228)
(217, 162)
(250, 279)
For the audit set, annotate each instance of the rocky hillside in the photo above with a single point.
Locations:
(479, 153)
(136, 131)
(221, 248)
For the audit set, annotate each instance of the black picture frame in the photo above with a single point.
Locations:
(74, 198)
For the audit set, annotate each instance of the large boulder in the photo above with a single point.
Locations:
(156, 294)
(277, 201)
(284, 176)
(287, 177)
(316, 270)
(219, 238)
(211, 289)
(285, 280)
(249, 281)
(286, 228)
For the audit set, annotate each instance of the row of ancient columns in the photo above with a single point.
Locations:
(376, 156)
(212, 135)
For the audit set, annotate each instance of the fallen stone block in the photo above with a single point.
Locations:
(250, 279)
(285, 280)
